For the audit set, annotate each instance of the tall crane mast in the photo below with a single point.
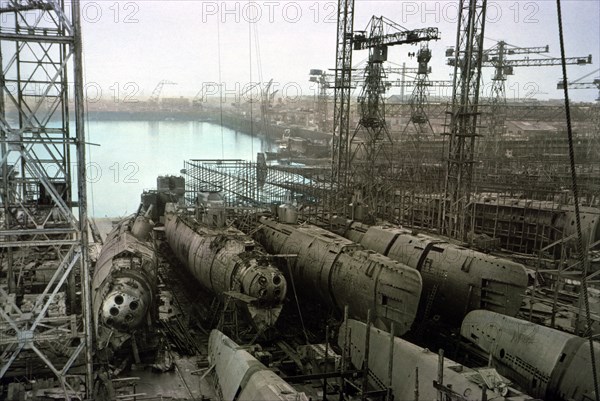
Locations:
(321, 78)
(594, 110)
(418, 100)
(418, 119)
(265, 104)
(462, 133)
(497, 57)
(341, 99)
(371, 153)
(325, 81)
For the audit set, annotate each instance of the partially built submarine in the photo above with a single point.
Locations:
(225, 261)
(240, 376)
(456, 280)
(547, 363)
(318, 251)
(342, 273)
(124, 299)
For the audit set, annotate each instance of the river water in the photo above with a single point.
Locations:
(131, 154)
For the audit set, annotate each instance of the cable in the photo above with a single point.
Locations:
(585, 76)
(580, 250)
(251, 103)
(297, 302)
(260, 79)
(220, 87)
(87, 130)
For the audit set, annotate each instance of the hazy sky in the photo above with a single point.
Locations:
(129, 46)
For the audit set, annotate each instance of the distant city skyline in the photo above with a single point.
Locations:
(130, 46)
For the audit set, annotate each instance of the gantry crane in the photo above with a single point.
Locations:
(325, 81)
(321, 78)
(371, 142)
(155, 97)
(418, 119)
(497, 57)
(265, 105)
(418, 100)
(579, 83)
(405, 72)
(202, 95)
(468, 55)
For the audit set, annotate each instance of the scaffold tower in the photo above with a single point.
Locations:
(43, 187)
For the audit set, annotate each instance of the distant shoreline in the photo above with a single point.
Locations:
(235, 122)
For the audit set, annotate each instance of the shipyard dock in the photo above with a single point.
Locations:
(386, 243)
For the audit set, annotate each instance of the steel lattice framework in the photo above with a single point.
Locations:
(463, 115)
(497, 57)
(322, 80)
(341, 100)
(368, 151)
(43, 180)
(371, 143)
(419, 120)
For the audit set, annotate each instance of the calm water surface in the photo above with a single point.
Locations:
(133, 153)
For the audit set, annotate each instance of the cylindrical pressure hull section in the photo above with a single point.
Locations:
(463, 279)
(341, 273)
(547, 363)
(224, 260)
(124, 285)
(242, 377)
(412, 364)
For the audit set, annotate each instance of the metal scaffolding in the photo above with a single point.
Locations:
(463, 115)
(340, 155)
(43, 186)
(249, 185)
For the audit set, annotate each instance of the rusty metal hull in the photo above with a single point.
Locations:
(548, 363)
(241, 377)
(124, 286)
(341, 273)
(457, 279)
(226, 262)
(407, 358)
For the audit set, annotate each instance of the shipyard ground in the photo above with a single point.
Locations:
(179, 369)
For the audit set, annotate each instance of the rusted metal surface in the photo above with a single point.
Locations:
(124, 286)
(464, 279)
(226, 261)
(548, 363)
(239, 376)
(340, 272)
(410, 360)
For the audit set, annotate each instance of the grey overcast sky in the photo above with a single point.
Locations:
(142, 42)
